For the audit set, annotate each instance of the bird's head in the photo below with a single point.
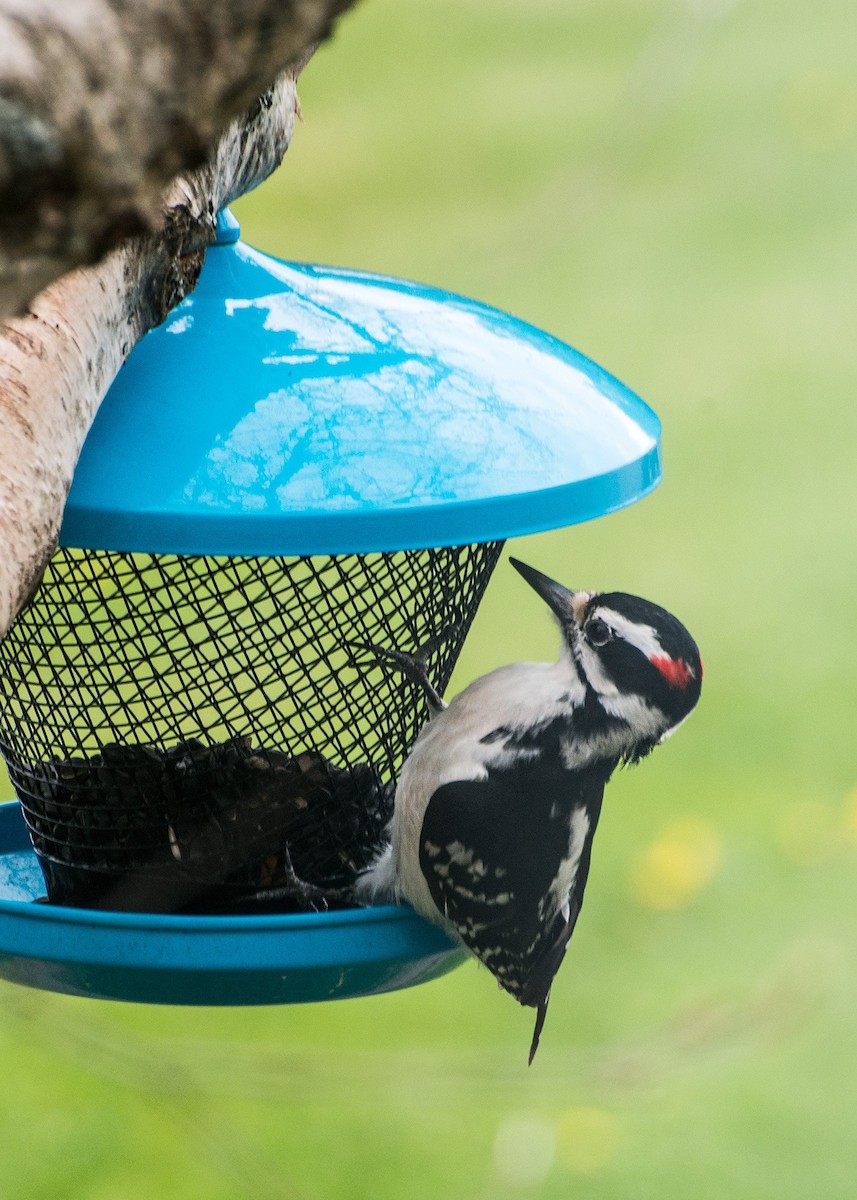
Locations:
(636, 661)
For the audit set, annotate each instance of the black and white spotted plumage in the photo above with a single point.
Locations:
(498, 802)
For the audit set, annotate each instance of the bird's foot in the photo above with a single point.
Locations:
(309, 895)
(414, 665)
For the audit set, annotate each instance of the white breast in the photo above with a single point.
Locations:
(450, 747)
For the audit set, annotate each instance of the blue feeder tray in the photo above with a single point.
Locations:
(205, 960)
(285, 409)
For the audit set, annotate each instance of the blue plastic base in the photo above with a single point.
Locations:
(217, 960)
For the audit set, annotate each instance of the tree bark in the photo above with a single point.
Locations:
(117, 118)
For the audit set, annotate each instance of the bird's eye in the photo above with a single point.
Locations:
(597, 632)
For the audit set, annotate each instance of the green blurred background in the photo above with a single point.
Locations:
(670, 187)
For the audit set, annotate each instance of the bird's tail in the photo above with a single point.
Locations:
(541, 1013)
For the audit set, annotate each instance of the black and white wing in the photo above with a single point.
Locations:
(506, 861)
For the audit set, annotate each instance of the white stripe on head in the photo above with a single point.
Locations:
(644, 637)
(592, 669)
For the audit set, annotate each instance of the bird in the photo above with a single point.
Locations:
(498, 801)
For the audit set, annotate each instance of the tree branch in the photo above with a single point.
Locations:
(191, 64)
(103, 102)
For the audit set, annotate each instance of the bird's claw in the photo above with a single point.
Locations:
(309, 895)
(414, 665)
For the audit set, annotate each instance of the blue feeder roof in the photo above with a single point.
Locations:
(284, 408)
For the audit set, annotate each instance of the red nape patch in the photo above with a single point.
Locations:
(674, 670)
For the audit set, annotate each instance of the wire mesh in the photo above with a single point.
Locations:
(178, 727)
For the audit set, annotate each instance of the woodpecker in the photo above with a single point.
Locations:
(498, 801)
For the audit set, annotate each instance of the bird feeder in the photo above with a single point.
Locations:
(301, 465)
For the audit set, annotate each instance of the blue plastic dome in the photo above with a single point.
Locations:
(292, 409)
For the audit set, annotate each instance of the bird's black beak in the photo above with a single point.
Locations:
(564, 603)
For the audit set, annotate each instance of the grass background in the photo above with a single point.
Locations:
(669, 185)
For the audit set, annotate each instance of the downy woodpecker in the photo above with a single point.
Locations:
(498, 801)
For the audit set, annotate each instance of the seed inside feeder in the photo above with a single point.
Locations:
(200, 828)
(177, 726)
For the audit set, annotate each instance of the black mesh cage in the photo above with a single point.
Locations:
(178, 727)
